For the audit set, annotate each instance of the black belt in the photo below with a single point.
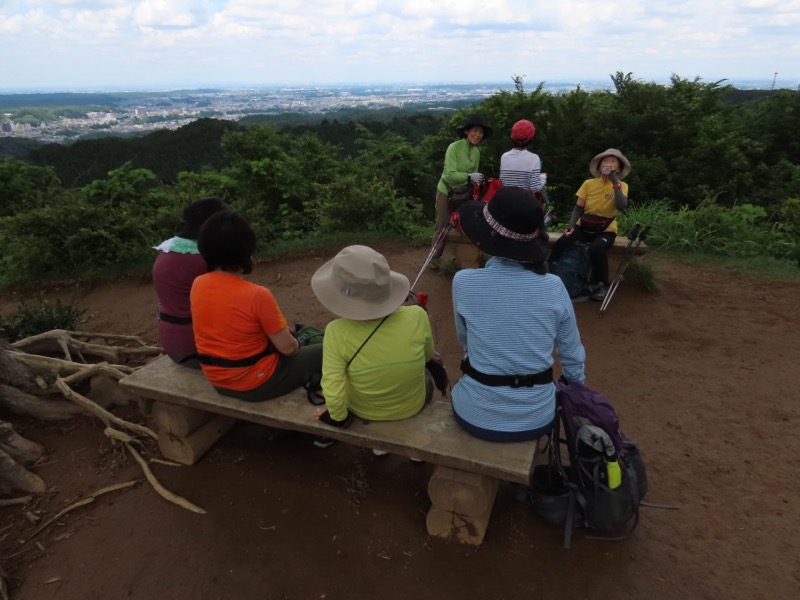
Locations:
(514, 381)
(248, 361)
(173, 319)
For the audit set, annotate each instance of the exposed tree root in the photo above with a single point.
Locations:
(162, 491)
(69, 343)
(88, 500)
(105, 416)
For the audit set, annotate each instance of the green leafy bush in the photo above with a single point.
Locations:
(33, 319)
(740, 231)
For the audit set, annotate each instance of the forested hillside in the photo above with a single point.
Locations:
(708, 166)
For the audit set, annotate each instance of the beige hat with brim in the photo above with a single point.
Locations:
(358, 284)
(595, 163)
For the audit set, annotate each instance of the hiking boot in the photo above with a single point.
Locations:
(599, 292)
(323, 442)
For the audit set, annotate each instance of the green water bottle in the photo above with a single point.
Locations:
(614, 473)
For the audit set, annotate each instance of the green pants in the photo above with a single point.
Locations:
(291, 373)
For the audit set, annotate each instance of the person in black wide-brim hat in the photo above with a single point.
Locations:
(509, 316)
(461, 167)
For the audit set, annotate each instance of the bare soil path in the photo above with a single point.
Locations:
(702, 374)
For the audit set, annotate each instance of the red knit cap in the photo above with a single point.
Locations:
(523, 131)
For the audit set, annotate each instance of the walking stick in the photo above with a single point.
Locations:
(627, 258)
(437, 244)
(442, 236)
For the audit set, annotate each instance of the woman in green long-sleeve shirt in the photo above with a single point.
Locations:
(461, 165)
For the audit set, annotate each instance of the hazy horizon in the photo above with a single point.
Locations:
(744, 83)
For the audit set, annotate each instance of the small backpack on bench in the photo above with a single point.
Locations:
(605, 481)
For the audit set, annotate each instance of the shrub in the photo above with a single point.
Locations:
(31, 320)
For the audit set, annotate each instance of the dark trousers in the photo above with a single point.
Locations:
(502, 436)
(599, 243)
(291, 373)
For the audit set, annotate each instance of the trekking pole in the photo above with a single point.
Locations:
(627, 258)
(437, 244)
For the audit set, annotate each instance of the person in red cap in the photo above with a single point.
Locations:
(519, 167)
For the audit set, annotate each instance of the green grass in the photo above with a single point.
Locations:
(759, 267)
(740, 238)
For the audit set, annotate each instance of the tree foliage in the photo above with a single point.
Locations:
(714, 159)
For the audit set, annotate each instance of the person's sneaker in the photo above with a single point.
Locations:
(376, 452)
(599, 292)
(323, 442)
(417, 461)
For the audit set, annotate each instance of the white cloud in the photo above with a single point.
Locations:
(275, 41)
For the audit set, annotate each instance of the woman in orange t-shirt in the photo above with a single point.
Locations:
(245, 347)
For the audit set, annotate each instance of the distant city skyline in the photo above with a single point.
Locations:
(64, 45)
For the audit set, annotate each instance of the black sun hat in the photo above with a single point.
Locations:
(507, 226)
(475, 121)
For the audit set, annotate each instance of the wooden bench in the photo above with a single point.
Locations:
(459, 248)
(192, 416)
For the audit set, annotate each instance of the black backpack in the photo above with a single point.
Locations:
(573, 268)
(604, 482)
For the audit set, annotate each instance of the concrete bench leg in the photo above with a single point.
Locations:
(185, 434)
(461, 504)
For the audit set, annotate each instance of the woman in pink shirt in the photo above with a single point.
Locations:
(175, 269)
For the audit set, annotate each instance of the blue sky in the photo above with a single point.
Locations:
(74, 44)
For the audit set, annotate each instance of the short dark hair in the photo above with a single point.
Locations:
(227, 242)
(540, 268)
(197, 213)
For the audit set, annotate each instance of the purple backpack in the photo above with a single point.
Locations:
(604, 482)
(581, 404)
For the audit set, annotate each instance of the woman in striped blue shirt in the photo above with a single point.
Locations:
(509, 317)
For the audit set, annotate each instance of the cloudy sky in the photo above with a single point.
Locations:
(73, 44)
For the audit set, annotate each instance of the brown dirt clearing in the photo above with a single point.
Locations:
(701, 374)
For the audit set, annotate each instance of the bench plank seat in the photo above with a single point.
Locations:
(462, 488)
(432, 435)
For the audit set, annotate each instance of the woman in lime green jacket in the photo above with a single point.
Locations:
(461, 166)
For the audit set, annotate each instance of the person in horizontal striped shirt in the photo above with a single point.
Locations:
(519, 167)
(509, 317)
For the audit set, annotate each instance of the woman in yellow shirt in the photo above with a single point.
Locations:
(594, 218)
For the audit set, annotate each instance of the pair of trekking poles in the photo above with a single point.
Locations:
(636, 237)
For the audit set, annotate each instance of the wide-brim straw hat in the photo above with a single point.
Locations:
(595, 163)
(475, 121)
(507, 226)
(358, 284)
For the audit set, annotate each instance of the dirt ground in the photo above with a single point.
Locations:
(702, 374)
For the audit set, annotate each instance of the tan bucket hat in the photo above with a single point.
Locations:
(595, 163)
(358, 284)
